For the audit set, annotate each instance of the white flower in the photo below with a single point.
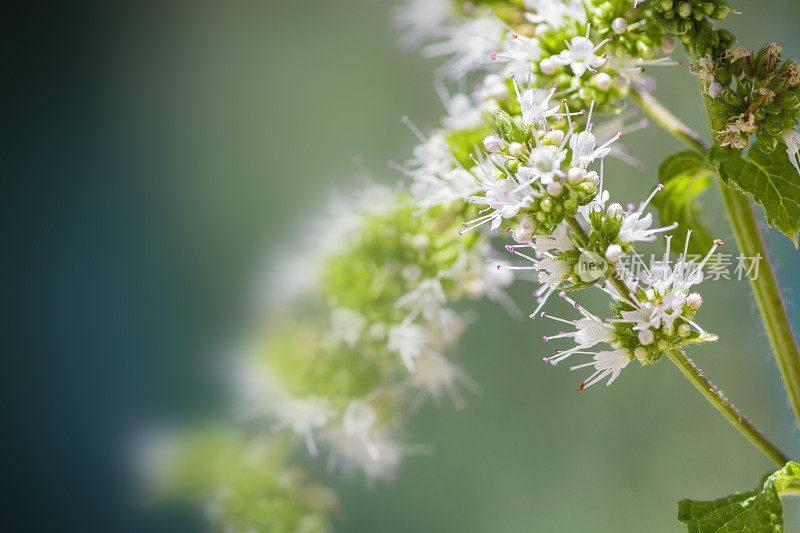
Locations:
(426, 299)
(422, 18)
(408, 340)
(492, 87)
(430, 157)
(462, 113)
(555, 13)
(583, 148)
(359, 418)
(347, 325)
(605, 364)
(518, 53)
(792, 140)
(437, 376)
(580, 55)
(535, 106)
(378, 456)
(455, 184)
(470, 44)
(636, 227)
(303, 416)
(589, 330)
(560, 240)
(552, 270)
(505, 197)
(545, 165)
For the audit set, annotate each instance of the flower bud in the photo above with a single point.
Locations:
(602, 81)
(515, 148)
(619, 25)
(594, 176)
(555, 136)
(575, 175)
(667, 44)
(420, 241)
(646, 337)
(493, 143)
(614, 252)
(641, 354)
(522, 234)
(554, 189)
(547, 66)
(694, 300)
(685, 10)
(615, 210)
(715, 89)
(684, 330)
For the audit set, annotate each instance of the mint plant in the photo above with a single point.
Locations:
(547, 90)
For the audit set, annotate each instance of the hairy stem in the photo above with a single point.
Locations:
(767, 292)
(744, 223)
(718, 400)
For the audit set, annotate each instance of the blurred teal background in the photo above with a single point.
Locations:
(164, 154)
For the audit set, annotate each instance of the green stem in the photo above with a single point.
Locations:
(583, 240)
(668, 121)
(767, 292)
(744, 223)
(718, 400)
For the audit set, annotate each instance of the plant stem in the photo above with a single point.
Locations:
(745, 227)
(767, 292)
(583, 238)
(718, 400)
(668, 121)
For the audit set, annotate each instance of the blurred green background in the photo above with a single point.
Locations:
(164, 154)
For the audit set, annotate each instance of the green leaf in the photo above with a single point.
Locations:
(685, 177)
(759, 510)
(771, 180)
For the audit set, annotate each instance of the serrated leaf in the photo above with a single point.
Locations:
(771, 180)
(685, 177)
(759, 510)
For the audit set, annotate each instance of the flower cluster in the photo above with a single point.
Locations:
(690, 20)
(753, 94)
(347, 367)
(652, 314)
(242, 484)
(747, 93)
(343, 362)
(533, 163)
(593, 50)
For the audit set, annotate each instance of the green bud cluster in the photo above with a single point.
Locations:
(367, 274)
(640, 41)
(760, 94)
(297, 354)
(244, 486)
(690, 21)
